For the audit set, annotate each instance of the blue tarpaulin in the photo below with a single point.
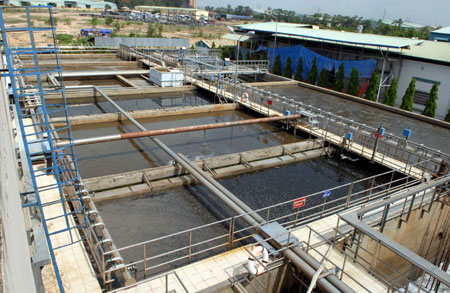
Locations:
(365, 67)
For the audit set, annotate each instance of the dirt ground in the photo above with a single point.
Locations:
(70, 22)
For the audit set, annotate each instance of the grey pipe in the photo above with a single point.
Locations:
(322, 283)
(230, 195)
(257, 219)
(333, 279)
(233, 205)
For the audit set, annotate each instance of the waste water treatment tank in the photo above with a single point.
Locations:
(165, 77)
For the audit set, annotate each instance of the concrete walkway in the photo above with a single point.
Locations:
(73, 261)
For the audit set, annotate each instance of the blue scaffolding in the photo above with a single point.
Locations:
(40, 136)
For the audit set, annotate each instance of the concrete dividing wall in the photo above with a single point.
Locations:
(15, 254)
(421, 235)
(141, 42)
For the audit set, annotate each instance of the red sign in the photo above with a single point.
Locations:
(299, 202)
(269, 102)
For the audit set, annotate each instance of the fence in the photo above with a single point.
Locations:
(140, 42)
(194, 245)
(396, 151)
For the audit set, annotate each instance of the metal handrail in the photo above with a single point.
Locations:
(291, 102)
(293, 223)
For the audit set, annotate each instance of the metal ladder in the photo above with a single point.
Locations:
(40, 136)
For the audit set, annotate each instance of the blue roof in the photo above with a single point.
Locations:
(100, 30)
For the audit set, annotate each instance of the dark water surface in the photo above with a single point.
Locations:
(165, 101)
(135, 220)
(135, 154)
(422, 132)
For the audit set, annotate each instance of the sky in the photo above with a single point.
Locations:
(431, 12)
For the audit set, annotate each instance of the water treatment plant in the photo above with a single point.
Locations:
(144, 169)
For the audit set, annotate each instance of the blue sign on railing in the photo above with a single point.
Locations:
(326, 193)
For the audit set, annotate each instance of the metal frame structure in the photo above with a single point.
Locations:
(33, 115)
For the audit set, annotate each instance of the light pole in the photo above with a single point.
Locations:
(276, 33)
(250, 33)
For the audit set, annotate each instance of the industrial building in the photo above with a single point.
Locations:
(147, 169)
(441, 35)
(96, 4)
(194, 13)
(427, 61)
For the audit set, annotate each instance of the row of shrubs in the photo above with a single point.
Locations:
(390, 96)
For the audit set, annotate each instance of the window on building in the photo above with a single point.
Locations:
(421, 97)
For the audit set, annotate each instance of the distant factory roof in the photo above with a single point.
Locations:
(217, 42)
(236, 37)
(301, 30)
(425, 50)
(167, 8)
(405, 24)
(444, 30)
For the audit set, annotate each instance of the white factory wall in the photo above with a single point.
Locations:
(430, 72)
(16, 264)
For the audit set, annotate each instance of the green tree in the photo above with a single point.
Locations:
(263, 55)
(430, 107)
(109, 20)
(339, 83)
(287, 72)
(248, 56)
(372, 89)
(352, 88)
(94, 21)
(391, 95)
(299, 73)
(116, 26)
(150, 31)
(160, 30)
(408, 98)
(213, 45)
(224, 52)
(447, 118)
(312, 74)
(323, 78)
(276, 68)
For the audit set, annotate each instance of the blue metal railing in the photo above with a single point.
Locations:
(36, 128)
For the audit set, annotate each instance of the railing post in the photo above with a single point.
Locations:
(167, 283)
(350, 190)
(268, 215)
(190, 246)
(231, 235)
(371, 189)
(390, 182)
(309, 239)
(145, 260)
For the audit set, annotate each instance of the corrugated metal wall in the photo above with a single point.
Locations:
(141, 42)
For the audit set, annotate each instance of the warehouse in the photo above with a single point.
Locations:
(64, 3)
(427, 61)
(441, 35)
(194, 13)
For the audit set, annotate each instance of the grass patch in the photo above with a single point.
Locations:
(64, 39)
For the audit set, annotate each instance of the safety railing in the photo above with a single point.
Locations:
(154, 256)
(386, 148)
(349, 255)
(385, 257)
